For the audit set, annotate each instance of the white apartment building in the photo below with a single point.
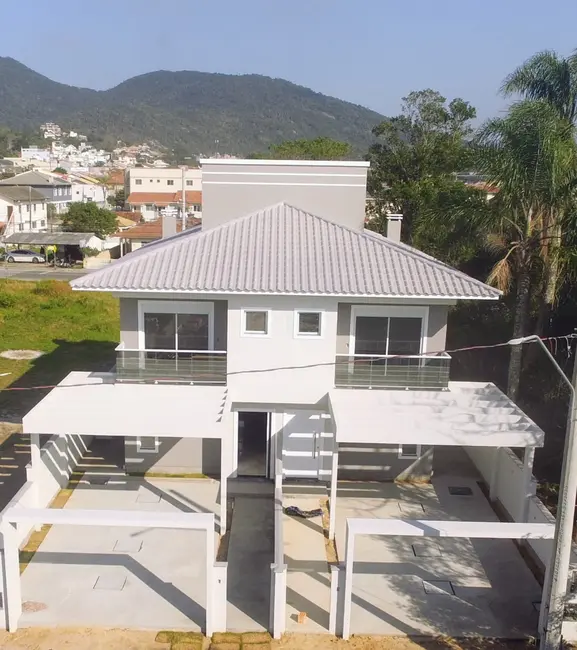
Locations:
(22, 209)
(169, 180)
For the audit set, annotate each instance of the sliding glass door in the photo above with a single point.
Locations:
(179, 333)
(388, 335)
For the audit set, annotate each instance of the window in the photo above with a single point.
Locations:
(190, 183)
(34, 224)
(388, 331)
(149, 206)
(42, 224)
(147, 444)
(151, 180)
(196, 207)
(158, 180)
(27, 207)
(20, 227)
(175, 326)
(169, 182)
(307, 323)
(409, 451)
(138, 181)
(255, 322)
(34, 207)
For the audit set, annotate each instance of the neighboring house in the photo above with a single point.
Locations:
(162, 180)
(133, 236)
(56, 191)
(151, 204)
(87, 192)
(115, 181)
(22, 209)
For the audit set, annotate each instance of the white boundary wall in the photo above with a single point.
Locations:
(502, 471)
(59, 457)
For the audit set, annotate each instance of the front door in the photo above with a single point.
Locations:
(253, 443)
(301, 441)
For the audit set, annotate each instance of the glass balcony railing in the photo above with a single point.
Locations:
(374, 371)
(171, 366)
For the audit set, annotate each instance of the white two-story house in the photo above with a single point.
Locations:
(282, 334)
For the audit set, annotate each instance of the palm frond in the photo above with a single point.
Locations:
(501, 275)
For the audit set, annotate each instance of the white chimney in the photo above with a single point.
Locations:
(169, 215)
(394, 222)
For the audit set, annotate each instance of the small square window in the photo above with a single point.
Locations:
(169, 182)
(148, 444)
(256, 322)
(308, 323)
(189, 183)
(409, 451)
(138, 181)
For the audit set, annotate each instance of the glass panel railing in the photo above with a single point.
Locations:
(188, 366)
(376, 371)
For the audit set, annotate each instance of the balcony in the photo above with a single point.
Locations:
(170, 366)
(400, 372)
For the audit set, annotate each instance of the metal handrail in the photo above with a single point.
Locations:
(121, 348)
(433, 355)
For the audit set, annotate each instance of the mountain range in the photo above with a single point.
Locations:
(194, 112)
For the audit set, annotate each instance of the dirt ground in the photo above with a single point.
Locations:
(99, 639)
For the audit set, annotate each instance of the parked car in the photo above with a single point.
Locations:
(23, 255)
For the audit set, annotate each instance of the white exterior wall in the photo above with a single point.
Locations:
(282, 349)
(84, 193)
(26, 217)
(155, 180)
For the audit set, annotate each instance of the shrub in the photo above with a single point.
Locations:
(90, 252)
(7, 300)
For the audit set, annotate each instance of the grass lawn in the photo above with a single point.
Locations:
(74, 330)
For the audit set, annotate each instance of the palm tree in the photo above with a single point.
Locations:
(531, 156)
(552, 79)
(547, 77)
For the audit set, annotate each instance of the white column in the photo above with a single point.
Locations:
(35, 452)
(210, 590)
(348, 590)
(528, 458)
(224, 453)
(219, 594)
(12, 594)
(494, 484)
(336, 602)
(278, 600)
(333, 495)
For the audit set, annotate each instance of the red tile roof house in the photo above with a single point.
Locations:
(150, 204)
(133, 238)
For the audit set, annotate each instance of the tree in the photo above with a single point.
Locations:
(88, 217)
(529, 155)
(116, 200)
(414, 162)
(317, 149)
(59, 170)
(546, 77)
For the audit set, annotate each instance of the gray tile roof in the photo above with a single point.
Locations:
(47, 238)
(21, 194)
(34, 178)
(284, 250)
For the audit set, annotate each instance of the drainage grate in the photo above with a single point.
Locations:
(438, 587)
(460, 491)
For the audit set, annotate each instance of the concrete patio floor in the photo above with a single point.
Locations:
(418, 586)
(122, 577)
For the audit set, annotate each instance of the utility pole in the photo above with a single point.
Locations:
(557, 575)
(184, 170)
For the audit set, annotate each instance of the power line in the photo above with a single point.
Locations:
(566, 337)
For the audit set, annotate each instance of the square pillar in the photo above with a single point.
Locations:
(528, 492)
(333, 494)
(348, 586)
(224, 451)
(210, 584)
(12, 591)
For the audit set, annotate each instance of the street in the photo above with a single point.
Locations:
(35, 272)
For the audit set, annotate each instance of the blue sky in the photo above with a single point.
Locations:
(372, 52)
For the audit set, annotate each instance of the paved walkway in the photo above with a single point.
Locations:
(250, 554)
(308, 578)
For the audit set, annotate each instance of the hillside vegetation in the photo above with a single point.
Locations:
(198, 112)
